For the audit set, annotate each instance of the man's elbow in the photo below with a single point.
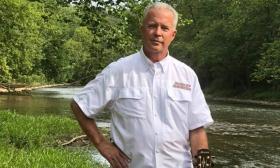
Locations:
(75, 108)
(73, 105)
(72, 102)
(198, 130)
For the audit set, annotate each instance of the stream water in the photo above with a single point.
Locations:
(244, 136)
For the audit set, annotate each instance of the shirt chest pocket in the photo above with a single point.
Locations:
(178, 102)
(130, 102)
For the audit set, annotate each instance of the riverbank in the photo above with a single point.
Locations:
(275, 104)
(27, 141)
(250, 97)
(256, 96)
(24, 89)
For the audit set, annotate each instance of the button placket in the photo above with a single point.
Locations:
(156, 98)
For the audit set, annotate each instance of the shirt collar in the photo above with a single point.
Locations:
(149, 64)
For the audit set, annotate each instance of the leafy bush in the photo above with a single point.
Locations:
(32, 79)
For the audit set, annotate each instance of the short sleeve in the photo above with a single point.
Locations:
(96, 95)
(199, 113)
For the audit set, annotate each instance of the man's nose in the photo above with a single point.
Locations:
(158, 31)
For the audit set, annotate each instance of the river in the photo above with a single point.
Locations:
(243, 136)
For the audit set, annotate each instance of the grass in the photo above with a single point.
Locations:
(12, 157)
(33, 142)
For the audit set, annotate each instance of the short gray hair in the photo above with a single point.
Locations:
(162, 5)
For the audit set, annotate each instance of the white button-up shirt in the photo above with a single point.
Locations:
(153, 107)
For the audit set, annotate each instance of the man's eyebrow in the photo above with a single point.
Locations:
(165, 25)
(151, 22)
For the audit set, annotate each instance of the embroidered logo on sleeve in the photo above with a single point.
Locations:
(182, 85)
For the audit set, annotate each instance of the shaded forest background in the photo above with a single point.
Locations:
(233, 45)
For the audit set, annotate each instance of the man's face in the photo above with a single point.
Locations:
(158, 31)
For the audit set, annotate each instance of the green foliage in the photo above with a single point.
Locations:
(111, 38)
(20, 38)
(231, 44)
(33, 79)
(5, 75)
(225, 41)
(78, 49)
(268, 67)
(59, 26)
(58, 42)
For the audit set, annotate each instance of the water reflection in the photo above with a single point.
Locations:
(66, 93)
(42, 101)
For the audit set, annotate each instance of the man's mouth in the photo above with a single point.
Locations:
(156, 41)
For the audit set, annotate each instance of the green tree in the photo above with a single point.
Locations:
(225, 39)
(268, 67)
(110, 36)
(78, 49)
(59, 26)
(21, 40)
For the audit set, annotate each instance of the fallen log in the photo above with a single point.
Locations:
(24, 89)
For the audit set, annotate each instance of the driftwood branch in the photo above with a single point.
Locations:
(23, 88)
(74, 139)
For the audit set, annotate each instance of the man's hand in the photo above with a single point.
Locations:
(113, 154)
(199, 148)
(203, 159)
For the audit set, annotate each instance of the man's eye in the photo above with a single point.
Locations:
(151, 26)
(165, 28)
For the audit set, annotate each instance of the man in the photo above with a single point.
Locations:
(158, 109)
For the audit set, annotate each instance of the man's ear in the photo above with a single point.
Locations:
(141, 30)
(174, 33)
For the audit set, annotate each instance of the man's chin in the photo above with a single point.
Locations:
(156, 49)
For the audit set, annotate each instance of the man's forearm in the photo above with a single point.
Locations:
(198, 140)
(114, 155)
(88, 125)
(199, 147)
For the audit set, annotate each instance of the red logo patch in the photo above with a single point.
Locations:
(182, 86)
